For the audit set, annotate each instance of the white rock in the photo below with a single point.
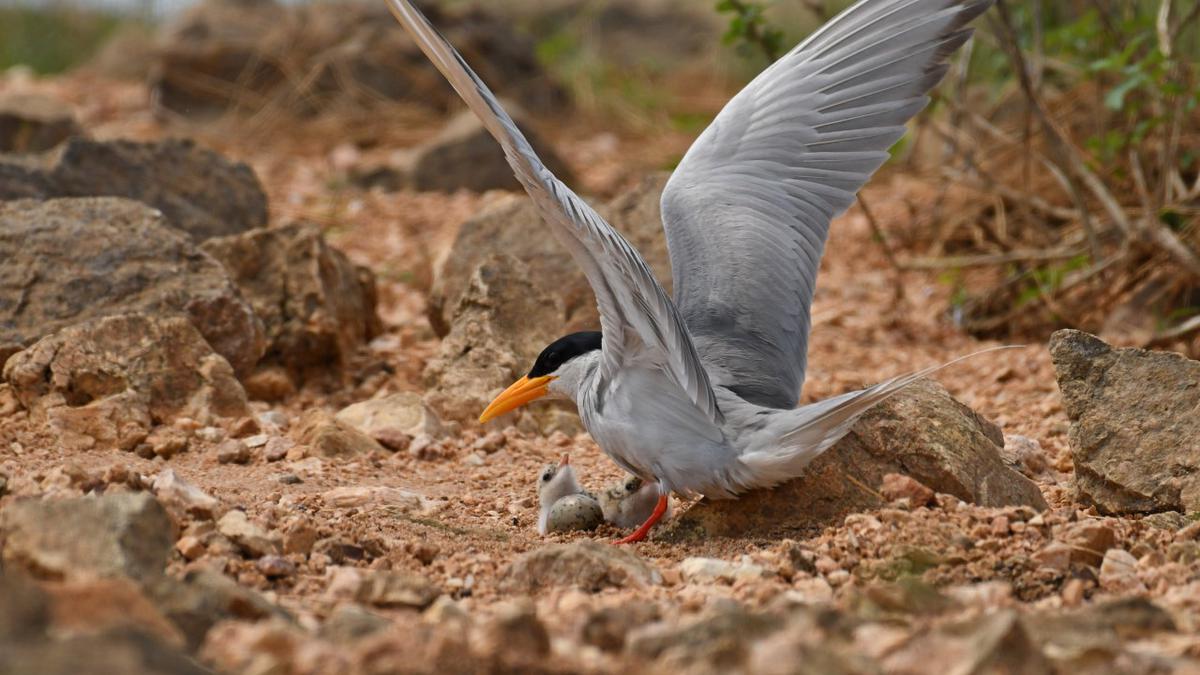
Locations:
(708, 570)
(403, 413)
(181, 496)
(257, 440)
(1118, 572)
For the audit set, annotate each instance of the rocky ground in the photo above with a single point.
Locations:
(241, 375)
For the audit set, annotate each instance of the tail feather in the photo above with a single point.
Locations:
(816, 427)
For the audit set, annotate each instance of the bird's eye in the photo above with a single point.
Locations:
(546, 477)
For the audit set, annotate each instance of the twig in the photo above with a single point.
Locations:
(1070, 156)
(1192, 325)
(877, 232)
(987, 260)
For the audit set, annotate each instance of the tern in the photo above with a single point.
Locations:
(697, 392)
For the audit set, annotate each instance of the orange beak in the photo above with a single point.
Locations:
(521, 392)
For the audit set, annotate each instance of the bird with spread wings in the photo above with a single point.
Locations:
(697, 393)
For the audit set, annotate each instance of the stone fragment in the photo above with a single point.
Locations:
(104, 383)
(591, 566)
(998, 642)
(221, 56)
(34, 123)
(166, 442)
(720, 640)
(103, 606)
(709, 570)
(393, 421)
(332, 439)
(233, 451)
(465, 156)
(898, 486)
(1025, 455)
(253, 539)
(1118, 573)
(515, 636)
(274, 566)
(922, 432)
(316, 306)
(204, 598)
(182, 498)
(199, 192)
(1134, 433)
(349, 622)
(68, 261)
(374, 496)
(395, 589)
(607, 628)
(299, 535)
(115, 535)
(1089, 540)
(506, 224)
(503, 320)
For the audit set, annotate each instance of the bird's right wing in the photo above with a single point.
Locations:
(640, 323)
(748, 209)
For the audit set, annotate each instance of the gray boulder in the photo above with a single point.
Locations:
(464, 156)
(921, 432)
(126, 535)
(316, 306)
(200, 192)
(107, 382)
(246, 55)
(513, 225)
(503, 320)
(1135, 434)
(588, 565)
(72, 260)
(34, 123)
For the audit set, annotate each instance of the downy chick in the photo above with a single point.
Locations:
(564, 505)
(630, 502)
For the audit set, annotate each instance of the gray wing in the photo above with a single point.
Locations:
(748, 209)
(641, 325)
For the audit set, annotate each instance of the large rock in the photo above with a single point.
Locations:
(317, 307)
(106, 382)
(392, 420)
(513, 225)
(464, 156)
(115, 535)
(204, 598)
(999, 642)
(71, 260)
(34, 123)
(503, 320)
(922, 432)
(249, 54)
(1135, 432)
(199, 191)
(588, 565)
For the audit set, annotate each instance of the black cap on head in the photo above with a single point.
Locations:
(564, 349)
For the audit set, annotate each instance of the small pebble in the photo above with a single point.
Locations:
(274, 418)
(244, 426)
(290, 479)
(210, 434)
(257, 440)
(190, 547)
(277, 448)
(233, 452)
(274, 566)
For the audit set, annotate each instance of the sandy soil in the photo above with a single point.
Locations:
(870, 322)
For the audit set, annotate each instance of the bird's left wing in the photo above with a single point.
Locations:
(639, 322)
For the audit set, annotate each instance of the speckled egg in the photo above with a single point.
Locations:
(574, 512)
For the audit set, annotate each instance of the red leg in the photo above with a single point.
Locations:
(659, 509)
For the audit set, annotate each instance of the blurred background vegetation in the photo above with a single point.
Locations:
(1061, 154)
